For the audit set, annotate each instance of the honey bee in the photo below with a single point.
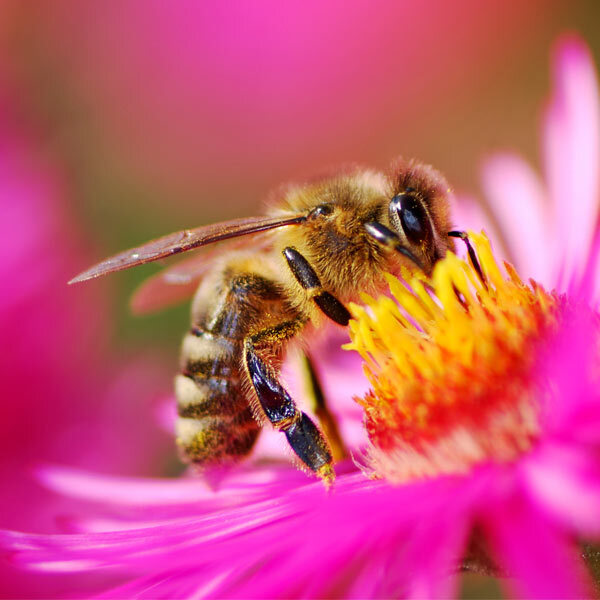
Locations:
(323, 243)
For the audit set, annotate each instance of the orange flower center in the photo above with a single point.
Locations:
(452, 364)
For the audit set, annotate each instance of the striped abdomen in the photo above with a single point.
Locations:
(215, 421)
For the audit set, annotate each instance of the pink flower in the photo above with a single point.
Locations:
(548, 226)
(511, 475)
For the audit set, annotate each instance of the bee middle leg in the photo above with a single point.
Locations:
(310, 281)
(302, 434)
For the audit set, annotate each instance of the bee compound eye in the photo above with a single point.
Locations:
(409, 213)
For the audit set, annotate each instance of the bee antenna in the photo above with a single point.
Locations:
(389, 239)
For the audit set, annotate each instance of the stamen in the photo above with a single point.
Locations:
(451, 361)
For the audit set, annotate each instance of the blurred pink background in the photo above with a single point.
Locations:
(123, 120)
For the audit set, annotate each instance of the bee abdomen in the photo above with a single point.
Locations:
(209, 397)
(213, 441)
(215, 423)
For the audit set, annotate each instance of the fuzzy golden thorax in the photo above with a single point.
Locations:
(334, 240)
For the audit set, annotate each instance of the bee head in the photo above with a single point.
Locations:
(418, 214)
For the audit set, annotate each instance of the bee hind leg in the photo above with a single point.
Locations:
(327, 421)
(302, 434)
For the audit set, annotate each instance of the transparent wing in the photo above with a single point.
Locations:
(178, 283)
(182, 241)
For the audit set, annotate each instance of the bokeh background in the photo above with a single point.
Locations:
(126, 119)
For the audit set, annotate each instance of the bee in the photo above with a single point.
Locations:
(322, 243)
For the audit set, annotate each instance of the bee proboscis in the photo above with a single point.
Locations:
(323, 243)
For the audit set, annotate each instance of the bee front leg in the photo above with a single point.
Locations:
(302, 434)
(464, 236)
(310, 281)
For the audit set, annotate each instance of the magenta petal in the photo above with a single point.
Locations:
(572, 152)
(85, 485)
(355, 542)
(541, 560)
(171, 544)
(591, 282)
(175, 583)
(572, 410)
(566, 483)
(137, 499)
(364, 542)
(519, 204)
(434, 551)
(333, 544)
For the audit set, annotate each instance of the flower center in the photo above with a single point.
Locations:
(451, 361)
